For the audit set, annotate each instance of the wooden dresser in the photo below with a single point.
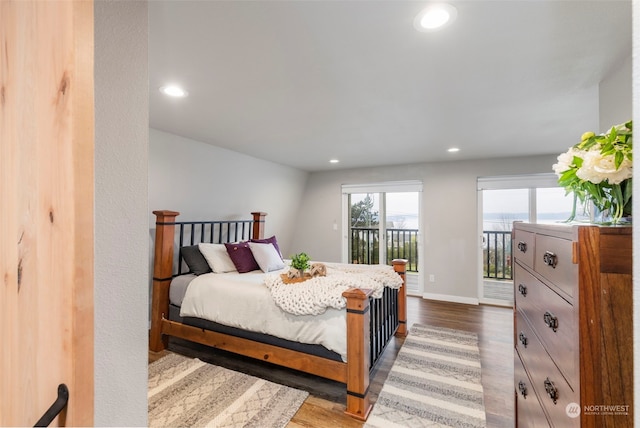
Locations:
(573, 330)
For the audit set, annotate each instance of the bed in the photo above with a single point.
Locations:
(370, 322)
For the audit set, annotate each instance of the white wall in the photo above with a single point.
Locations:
(205, 182)
(615, 96)
(449, 206)
(121, 213)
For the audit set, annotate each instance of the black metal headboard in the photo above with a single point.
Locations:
(214, 232)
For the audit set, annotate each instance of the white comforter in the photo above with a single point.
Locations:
(244, 301)
(314, 296)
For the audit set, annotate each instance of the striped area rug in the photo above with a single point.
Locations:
(434, 382)
(186, 392)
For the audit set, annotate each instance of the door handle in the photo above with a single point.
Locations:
(56, 407)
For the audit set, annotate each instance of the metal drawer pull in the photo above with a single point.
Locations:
(550, 259)
(551, 389)
(522, 289)
(523, 339)
(522, 387)
(551, 321)
(522, 246)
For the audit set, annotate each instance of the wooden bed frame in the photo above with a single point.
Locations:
(354, 373)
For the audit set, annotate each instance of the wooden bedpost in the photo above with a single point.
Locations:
(162, 274)
(400, 266)
(258, 225)
(358, 359)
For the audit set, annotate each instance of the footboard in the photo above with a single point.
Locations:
(388, 316)
(370, 325)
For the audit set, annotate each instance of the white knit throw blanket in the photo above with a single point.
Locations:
(315, 295)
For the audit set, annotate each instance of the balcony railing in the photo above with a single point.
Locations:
(401, 244)
(497, 254)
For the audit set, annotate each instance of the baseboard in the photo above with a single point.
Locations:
(496, 302)
(450, 298)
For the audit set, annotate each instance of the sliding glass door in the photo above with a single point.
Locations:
(381, 222)
(501, 201)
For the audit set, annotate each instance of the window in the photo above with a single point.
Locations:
(553, 205)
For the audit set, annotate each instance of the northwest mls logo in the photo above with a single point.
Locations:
(572, 410)
(607, 410)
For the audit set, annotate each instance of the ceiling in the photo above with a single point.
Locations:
(301, 82)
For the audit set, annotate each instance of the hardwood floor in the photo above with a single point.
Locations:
(325, 406)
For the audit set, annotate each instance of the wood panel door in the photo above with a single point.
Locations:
(46, 210)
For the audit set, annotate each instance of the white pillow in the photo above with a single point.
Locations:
(267, 256)
(217, 257)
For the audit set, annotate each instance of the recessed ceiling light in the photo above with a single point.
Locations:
(174, 91)
(334, 161)
(453, 150)
(435, 17)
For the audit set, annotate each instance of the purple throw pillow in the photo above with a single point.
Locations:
(242, 257)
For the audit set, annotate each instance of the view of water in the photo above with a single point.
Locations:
(495, 221)
(492, 221)
(501, 207)
(404, 221)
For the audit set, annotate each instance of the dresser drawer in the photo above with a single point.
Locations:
(557, 398)
(552, 389)
(553, 320)
(529, 411)
(554, 261)
(533, 355)
(526, 288)
(524, 247)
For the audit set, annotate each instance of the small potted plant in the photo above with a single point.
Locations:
(299, 264)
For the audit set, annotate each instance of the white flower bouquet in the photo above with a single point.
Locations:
(599, 169)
